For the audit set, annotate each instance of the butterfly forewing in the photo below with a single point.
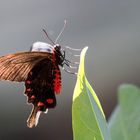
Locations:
(15, 67)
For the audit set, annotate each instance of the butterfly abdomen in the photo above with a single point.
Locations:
(57, 75)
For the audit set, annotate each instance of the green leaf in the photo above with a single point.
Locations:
(115, 125)
(125, 121)
(88, 118)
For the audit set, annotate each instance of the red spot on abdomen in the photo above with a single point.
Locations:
(57, 89)
(57, 76)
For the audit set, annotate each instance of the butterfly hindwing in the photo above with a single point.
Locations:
(39, 85)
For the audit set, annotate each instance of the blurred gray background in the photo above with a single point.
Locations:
(111, 30)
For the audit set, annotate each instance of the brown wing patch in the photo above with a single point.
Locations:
(15, 67)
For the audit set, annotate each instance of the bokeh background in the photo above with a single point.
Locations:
(111, 29)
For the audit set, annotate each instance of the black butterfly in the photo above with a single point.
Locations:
(39, 69)
(40, 72)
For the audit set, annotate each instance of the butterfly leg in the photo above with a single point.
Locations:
(69, 71)
(73, 49)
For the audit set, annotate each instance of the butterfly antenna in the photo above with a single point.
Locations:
(62, 30)
(48, 37)
(68, 65)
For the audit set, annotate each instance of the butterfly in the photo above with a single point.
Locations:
(39, 70)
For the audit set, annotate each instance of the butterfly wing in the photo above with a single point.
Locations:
(40, 90)
(15, 67)
(39, 85)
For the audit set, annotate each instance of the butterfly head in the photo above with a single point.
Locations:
(60, 54)
(57, 47)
